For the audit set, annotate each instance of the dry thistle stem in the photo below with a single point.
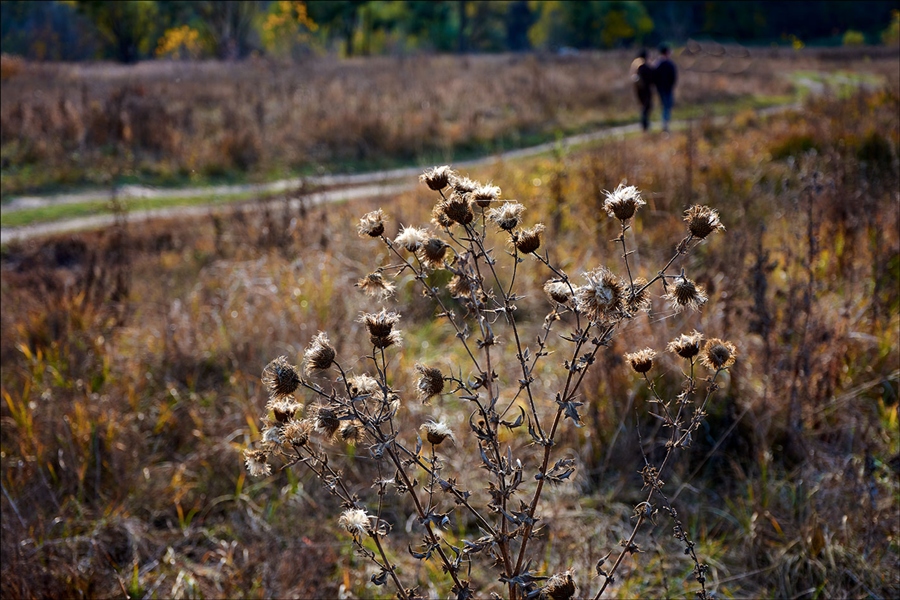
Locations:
(280, 378)
(702, 221)
(718, 354)
(642, 360)
(623, 203)
(320, 355)
(371, 224)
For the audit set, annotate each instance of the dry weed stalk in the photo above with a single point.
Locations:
(362, 409)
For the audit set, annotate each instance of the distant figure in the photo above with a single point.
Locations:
(642, 76)
(664, 77)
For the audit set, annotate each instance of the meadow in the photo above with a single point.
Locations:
(131, 357)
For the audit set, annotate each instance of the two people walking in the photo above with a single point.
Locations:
(662, 77)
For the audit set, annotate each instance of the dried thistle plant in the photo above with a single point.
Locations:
(362, 409)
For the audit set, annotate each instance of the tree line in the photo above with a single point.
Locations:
(131, 30)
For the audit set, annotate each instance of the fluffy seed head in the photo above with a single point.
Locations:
(484, 195)
(432, 252)
(430, 383)
(686, 345)
(327, 420)
(356, 521)
(506, 216)
(351, 432)
(558, 291)
(280, 378)
(623, 202)
(718, 354)
(702, 221)
(686, 294)
(439, 217)
(374, 284)
(257, 463)
(463, 185)
(411, 238)
(297, 432)
(559, 587)
(381, 328)
(362, 385)
(320, 354)
(436, 432)
(457, 208)
(601, 298)
(372, 224)
(437, 178)
(529, 240)
(637, 298)
(642, 360)
(284, 409)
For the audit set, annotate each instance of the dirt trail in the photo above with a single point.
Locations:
(351, 187)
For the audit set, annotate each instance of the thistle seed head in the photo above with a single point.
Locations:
(430, 383)
(686, 294)
(356, 521)
(436, 432)
(601, 299)
(457, 208)
(686, 345)
(637, 298)
(327, 420)
(351, 432)
(437, 178)
(642, 360)
(362, 385)
(702, 221)
(320, 354)
(558, 291)
(463, 185)
(506, 216)
(432, 252)
(559, 587)
(284, 410)
(485, 194)
(257, 463)
(297, 432)
(440, 218)
(529, 240)
(280, 378)
(372, 224)
(381, 328)
(374, 284)
(718, 354)
(411, 238)
(623, 203)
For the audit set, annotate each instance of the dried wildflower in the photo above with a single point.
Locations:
(702, 221)
(529, 240)
(558, 291)
(433, 251)
(686, 345)
(351, 432)
(559, 587)
(439, 217)
(355, 520)
(642, 360)
(320, 354)
(457, 208)
(718, 354)
(327, 420)
(436, 432)
(637, 298)
(280, 378)
(297, 432)
(437, 178)
(362, 385)
(601, 298)
(461, 286)
(411, 238)
(284, 409)
(686, 294)
(372, 224)
(393, 402)
(380, 323)
(463, 185)
(273, 435)
(484, 195)
(257, 463)
(623, 202)
(506, 216)
(431, 382)
(374, 284)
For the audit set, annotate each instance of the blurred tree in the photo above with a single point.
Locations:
(47, 30)
(286, 27)
(432, 25)
(519, 19)
(338, 18)
(129, 27)
(486, 22)
(891, 35)
(593, 24)
(227, 26)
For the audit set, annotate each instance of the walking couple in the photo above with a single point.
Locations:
(662, 76)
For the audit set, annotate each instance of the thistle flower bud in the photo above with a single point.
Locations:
(623, 203)
(686, 294)
(686, 345)
(280, 378)
(430, 383)
(437, 178)
(372, 224)
(601, 299)
(436, 432)
(718, 354)
(506, 216)
(558, 291)
(642, 360)
(529, 240)
(257, 463)
(702, 221)
(411, 238)
(374, 284)
(320, 354)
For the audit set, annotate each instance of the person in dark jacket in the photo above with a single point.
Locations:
(664, 77)
(642, 76)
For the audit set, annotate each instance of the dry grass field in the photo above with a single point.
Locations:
(131, 357)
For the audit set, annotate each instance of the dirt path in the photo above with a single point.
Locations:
(351, 187)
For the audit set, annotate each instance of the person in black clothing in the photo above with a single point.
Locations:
(642, 76)
(664, 77)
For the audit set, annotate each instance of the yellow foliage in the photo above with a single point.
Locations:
(180, 42)
(853, 38)
(286, 24)
(891, 35)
